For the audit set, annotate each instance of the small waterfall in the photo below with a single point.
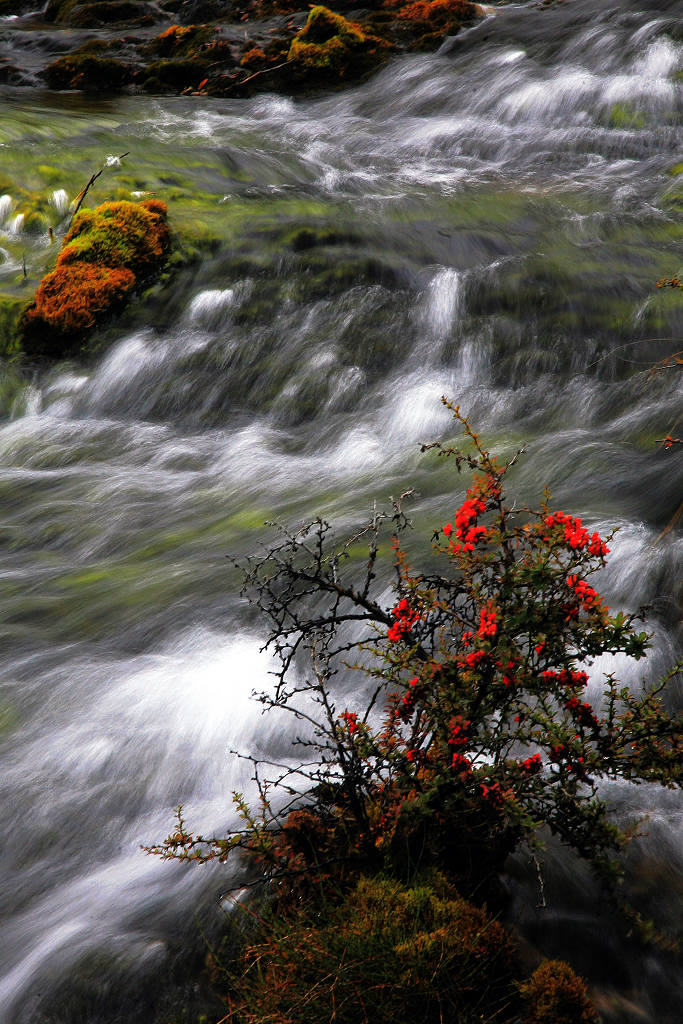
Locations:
(59, 201)
(6, 204)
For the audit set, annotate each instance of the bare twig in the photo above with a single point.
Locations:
(83, 193)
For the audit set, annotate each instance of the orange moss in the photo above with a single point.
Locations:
(556, 995)
(106, 253)
(436, 11)
(73, 298)
(427, 21)
(181, 40)
(254, 58)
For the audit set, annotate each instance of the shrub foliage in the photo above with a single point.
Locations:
(478, 729)
(483, 725)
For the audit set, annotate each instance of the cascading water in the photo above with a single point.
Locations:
(487, 222)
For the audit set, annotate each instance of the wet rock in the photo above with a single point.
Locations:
(100, 12)
(226, 48)
(87, 72)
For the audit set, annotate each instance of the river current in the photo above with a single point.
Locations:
(488, 223)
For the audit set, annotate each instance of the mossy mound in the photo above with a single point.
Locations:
(330, 46)
(554, 994)
(388, 952)
(107, 253)
(87, 72)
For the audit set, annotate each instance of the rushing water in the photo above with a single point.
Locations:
(487, 222)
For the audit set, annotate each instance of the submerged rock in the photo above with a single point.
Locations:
(107, 253)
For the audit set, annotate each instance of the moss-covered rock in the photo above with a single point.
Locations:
(87, 72)
(107, 253)
(332, 48)
(416, 952)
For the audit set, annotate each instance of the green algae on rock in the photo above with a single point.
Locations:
(107, 253)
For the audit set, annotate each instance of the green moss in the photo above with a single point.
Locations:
(36, 223)
(93, 14)
(176, 74)
(13, 390)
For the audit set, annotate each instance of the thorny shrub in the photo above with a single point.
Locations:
(478, 731)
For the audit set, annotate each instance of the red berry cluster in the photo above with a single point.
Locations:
(487, 622)
(567, 678)
(412, 694)
(583, 714)
(493, 793)
(509, 677)
(405, 620)
(587, 596)
(458, 738)
(576, 535)
(532, 764)
(466, 529)
(351, 719)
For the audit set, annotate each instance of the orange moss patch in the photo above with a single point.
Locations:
(107, 252)
(72, 299)
(436, 11)
(254, 58)
(430, 20)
